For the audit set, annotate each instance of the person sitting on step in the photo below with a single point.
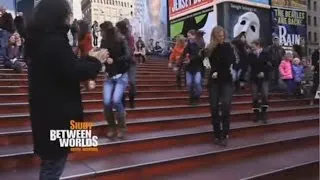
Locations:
(13, 53)
(140, 53)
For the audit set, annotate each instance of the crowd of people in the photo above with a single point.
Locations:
(12, 38)
(56, 69)
(234, 65)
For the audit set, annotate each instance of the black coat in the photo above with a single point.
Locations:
(54, 74)
(221, 59)
(315, 61)
(195, 64)
(120, 53)
(241, 49)
(259, 64)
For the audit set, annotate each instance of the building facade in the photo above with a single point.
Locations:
(313, 25)
(137, 20)
(107, 10)
(76, 8)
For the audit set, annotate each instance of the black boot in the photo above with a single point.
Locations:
(112, 128)
(122, 125)
(131, 101)
(264, 117)
(257, 115)
(191, 100)
(124, 100)
(178, 81)
(196, 100)
(224, 141)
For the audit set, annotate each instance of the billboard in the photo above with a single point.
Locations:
(179, 8)
(290, 4)
(155, 21)
(260, 1)
(203, 20)
(290, 26)
(237, 18)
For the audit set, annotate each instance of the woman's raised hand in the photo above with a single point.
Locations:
(101, 54)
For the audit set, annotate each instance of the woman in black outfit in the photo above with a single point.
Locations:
(116, 82)
(54, 75)
(220, 83)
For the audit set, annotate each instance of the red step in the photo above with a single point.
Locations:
(94, 115)
(158, 87)
(23, 107)
(184, 157)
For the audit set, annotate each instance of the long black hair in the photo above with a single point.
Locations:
(111, 37)
(83, 29)
(7, 22)
(50, 16)
(123, 28)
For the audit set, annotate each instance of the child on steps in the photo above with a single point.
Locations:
(174, 59)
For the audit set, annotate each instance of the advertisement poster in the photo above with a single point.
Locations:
(178, 8)
(237, 18)
(266, 2)
(203, 20)
(292, 4)
(290, 26)
(155, 21)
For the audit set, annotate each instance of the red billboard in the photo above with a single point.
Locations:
(178, 8)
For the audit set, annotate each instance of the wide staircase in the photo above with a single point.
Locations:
(167, 138)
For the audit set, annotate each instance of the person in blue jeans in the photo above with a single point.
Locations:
(117, 66)
(193, 66)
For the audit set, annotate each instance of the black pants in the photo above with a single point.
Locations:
(95, 40)
(141, 58)
(52, 169)
(274, 77)
(220, 101)
(180, 71)
(260, 91)
(315, 83)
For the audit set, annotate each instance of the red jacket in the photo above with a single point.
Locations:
(130, 40)
(85, 45)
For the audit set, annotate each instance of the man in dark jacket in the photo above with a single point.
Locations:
(315, 67)
(260, 67)
(276, 53)
(54, 94)
(125, 29)
(54, 76)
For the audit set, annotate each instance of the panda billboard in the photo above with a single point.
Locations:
(253, 20)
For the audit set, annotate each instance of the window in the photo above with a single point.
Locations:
(315, 5)
(309, 36)
(315, 21)
(315, 37)
(310, 51)
(309, 20)
(309, 4)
